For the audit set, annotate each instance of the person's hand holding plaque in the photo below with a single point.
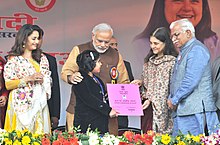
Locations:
(113, 113)
(137, 82)
(125, 98)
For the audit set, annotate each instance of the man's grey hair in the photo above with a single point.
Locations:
(185, 25)
(102, 27)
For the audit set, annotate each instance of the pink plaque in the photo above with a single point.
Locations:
(125, 99)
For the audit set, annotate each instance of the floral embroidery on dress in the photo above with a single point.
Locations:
(156, 75)
(17, 68)
(22, 99)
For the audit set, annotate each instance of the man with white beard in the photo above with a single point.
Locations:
(112, 70)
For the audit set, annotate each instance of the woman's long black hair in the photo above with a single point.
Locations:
(163, 35)
(20, 40)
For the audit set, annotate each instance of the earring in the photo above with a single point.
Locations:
(23, 46)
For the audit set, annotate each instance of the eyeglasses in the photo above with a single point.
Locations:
(176, 35)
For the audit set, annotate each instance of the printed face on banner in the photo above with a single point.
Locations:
(179, 9)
